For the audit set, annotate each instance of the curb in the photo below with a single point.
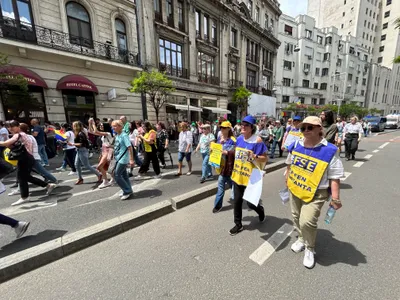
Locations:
(27, 260)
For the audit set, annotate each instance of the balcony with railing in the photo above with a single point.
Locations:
(267, 65)
(42, 36)
(253, 58)
(252, 89)
(208, 79)
(233, 83)
(174, 71)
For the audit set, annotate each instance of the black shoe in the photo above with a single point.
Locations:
(202, 180)
(262, 217)
(216, 210)
(347, 158)
(14, 185)
(130, 175)
(164, 166)
(235, 230)
(353, 157)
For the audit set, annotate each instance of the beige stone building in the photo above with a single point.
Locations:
(209, 48)
(78, 58)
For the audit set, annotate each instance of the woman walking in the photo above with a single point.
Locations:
(81, 142)
(204, 146)
(320, 167)
(340, 126)
(250, 152)
(228, 142)
(25, 163)
(69, 151)
(329, 126)
(162, 142)
(352, 133)
(150, 151)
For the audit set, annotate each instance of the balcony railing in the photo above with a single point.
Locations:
(158, 16)
(174, 71)
(252, 89)
(233, 83)
(252, 58)
(170, 21)
(15, 30)
(208, 79)
(270, 66)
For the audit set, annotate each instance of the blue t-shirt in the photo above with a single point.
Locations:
(122, 142)
(251, 144)
(40, 137)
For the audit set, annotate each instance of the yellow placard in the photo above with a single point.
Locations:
(243, 167)
(13, 162)
(215, 155)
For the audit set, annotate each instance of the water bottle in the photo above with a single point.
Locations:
(330, 214)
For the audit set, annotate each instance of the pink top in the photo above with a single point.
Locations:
(25, 139)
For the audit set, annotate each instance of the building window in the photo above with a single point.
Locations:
(383, 37)
(250, 7)
(205, 27)
(285, 99)
(372, 27)
(302, 100)
(344, 14)
(380, 59)
(251, 80)
(314, 101)
(121, 36)
(381, 48)
(317, 71)
(365, 23)
(366, 11)
(350, 77)
(362, 92)
(257, 14)
(181, 18)
(356, 80)
(323, 86)
(234, 38)
(321, 101)
(232, 72)
(384, 26)
(388, 2)
(387, 14)
(327, 56)
(316, 85)
(80, 31)
(198, 24)
(286, 81)
(363, 35)
(364, 81)
(319, 39)
(325, 72)
(206, 68)
(306, 83)
(214, 32)
(170, 57)
(288, 30)
(308, 34)
(266, 24)
(328, 41)
(287, 65)
(306, 68)
(369, 25)
(374, 16)
(157, 6)
(17, 10)
(170, 13)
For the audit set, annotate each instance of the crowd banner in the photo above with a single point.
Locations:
(253, 191)
(215, 155)
(292, 137)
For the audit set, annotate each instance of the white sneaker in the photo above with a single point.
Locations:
(71, 173)
(309, 261)
(50, 188)
(112, 181)
(2, 188)
(121, 193)
(124, 197)
(138, 177)
(21, 228)
(20, 201)
(104, 184)
(297, 246)
(14, 192)
(157, 176)
(61, 169)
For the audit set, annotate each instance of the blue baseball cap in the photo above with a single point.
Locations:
(249, 119)
(296, 118)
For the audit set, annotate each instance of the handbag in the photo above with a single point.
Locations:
(18, 151)
(113, 163)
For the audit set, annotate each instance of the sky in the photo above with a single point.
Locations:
(293, 7)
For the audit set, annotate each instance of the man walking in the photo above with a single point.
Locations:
(39, 135)
(126, 128)
(277, 133)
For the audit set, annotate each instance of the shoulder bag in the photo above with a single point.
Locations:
(113, 163)
(18, 151)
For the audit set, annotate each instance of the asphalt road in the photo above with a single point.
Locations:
(190, 255)
(71, 208)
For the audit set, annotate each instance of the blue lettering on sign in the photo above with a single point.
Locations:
(304, 163)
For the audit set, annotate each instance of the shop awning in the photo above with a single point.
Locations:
(31, 77)
(185, 107)
(218, 110)
(76, 82)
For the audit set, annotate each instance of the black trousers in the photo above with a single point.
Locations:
(238, 191)
(160, 154)
(25, 166)
(69, 156)
(150, 157)
(351, 144)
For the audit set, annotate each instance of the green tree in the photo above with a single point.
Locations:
(241, 98)
(155, 85)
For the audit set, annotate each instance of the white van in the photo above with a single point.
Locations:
(393, 121)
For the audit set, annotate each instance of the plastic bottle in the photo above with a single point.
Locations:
(330, 214)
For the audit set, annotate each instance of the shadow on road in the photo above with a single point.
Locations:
(332, 251)
(153, 193)
(30, 241)
(344, 186)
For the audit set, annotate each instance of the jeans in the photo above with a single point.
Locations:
(122, 179)
(43, 154)
(222, 180)
(37, 167)
(82, 158)
(205, 168)
(237, 208)
(25, 166)
(274, 143)
(138, 162)
(8, 221)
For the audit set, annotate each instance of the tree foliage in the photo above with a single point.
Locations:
(241, 98)
(155, 85)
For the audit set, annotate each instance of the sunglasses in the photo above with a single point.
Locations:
(245, 124)
(308, 128)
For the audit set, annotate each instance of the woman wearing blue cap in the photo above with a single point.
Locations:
(292, 133)
(250, 152)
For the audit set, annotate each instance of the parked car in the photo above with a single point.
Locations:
(393, 121)
(376, 123)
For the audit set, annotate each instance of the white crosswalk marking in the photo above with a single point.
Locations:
(346, 175)
(368, 156)
(384, 145)
(359, 164)
(375, 151)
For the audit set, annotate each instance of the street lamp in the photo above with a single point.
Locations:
(344, 89)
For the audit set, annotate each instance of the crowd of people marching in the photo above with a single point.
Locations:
(314, 167)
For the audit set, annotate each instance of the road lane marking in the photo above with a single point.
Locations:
(76, 179)
(27, 207)
(384, 145)
(346, 175)
(359, 164)
(262, 253)
(368, 156)
(375, 151)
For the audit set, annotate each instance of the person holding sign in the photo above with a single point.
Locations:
(313, 169)
(228, 142)
(204, 146)
(250, 152)
(293, 133)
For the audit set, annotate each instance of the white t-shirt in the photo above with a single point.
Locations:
(185, 139)
(70, 139)
(35, 149)
(3, 131)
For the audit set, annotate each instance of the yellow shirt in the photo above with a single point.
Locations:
(147, 146)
